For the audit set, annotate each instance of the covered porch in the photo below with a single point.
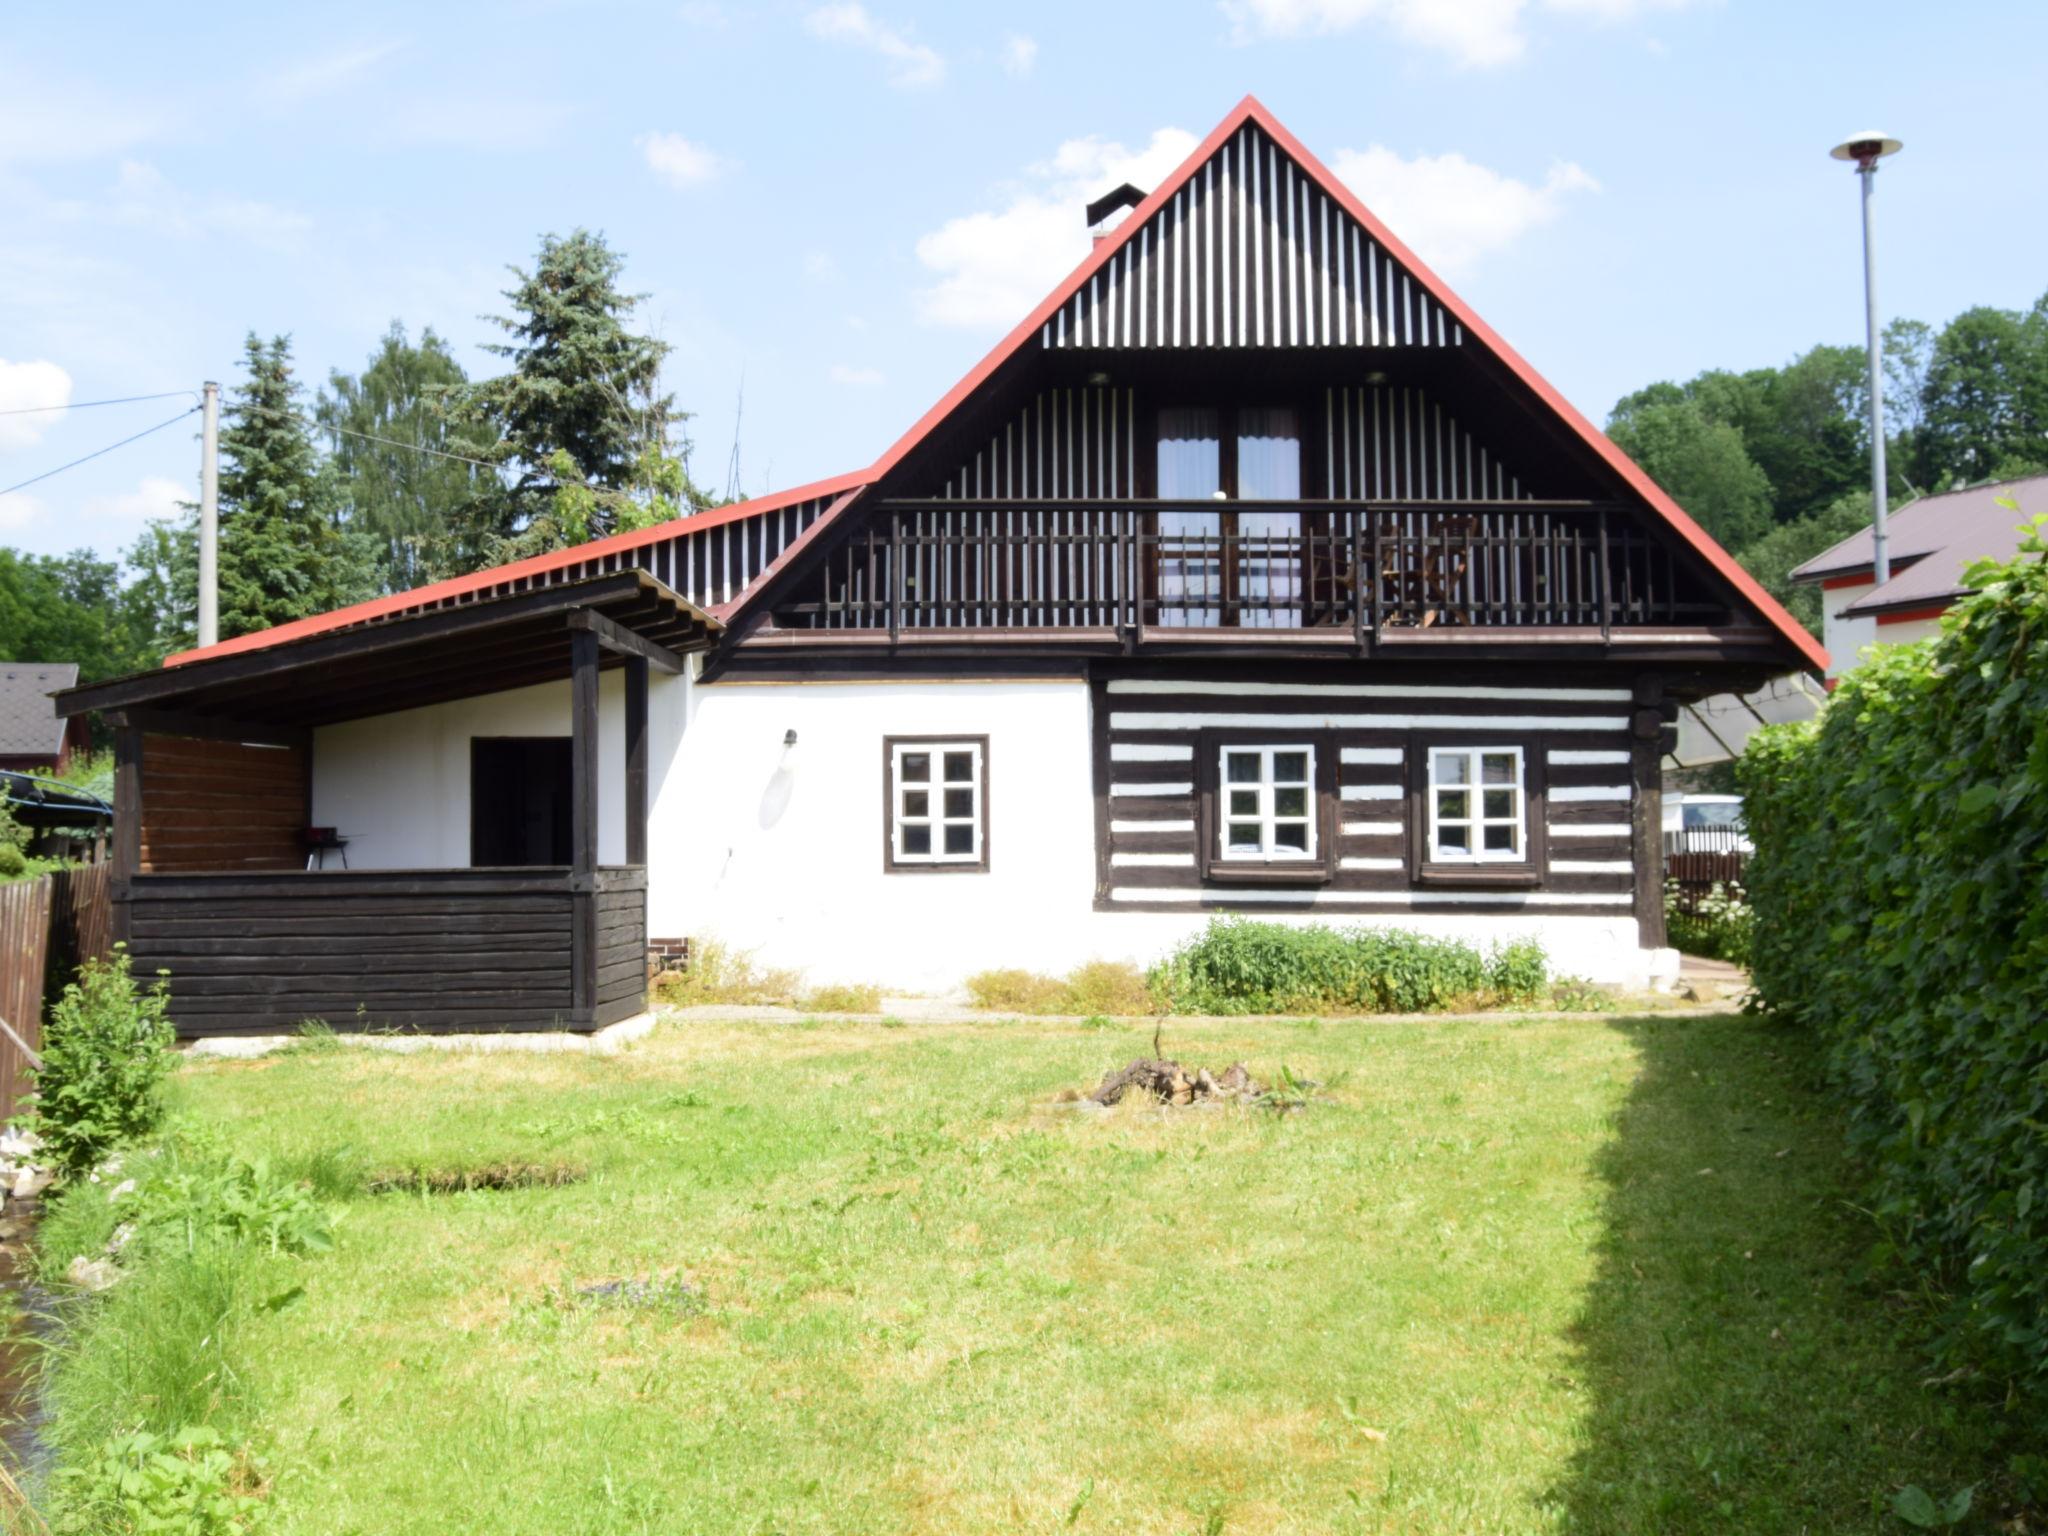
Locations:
(222, 880)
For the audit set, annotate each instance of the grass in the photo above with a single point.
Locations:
(1586, 1274)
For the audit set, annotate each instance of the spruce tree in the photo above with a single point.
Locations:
(589, 442)
(283, 553)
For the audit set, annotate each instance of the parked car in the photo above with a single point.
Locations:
(1705, 824)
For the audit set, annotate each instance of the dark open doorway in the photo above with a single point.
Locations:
(518, 800)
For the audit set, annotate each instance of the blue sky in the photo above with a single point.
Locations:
(845, 204)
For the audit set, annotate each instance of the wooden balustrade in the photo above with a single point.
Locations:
(1370, 567)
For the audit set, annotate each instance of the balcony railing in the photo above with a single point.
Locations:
(1369, 567)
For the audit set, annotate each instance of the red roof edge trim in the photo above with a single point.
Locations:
(1911, 615)
(517, 570)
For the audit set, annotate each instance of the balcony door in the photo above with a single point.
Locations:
(1221, 559)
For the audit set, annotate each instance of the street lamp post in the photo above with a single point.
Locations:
(1866, 149)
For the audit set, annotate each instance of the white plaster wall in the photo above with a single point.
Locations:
(1908, 633)
(783, 857)
(397, 786)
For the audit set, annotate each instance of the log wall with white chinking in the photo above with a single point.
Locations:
(1153, 733)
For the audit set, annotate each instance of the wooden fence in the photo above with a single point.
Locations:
(48, 927)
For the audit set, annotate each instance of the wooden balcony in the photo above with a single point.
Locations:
(1363, 573)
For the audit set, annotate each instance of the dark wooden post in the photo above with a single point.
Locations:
(583, 652)
(127, 821)
(1606, 586)
(1646, 732)
(636, 760)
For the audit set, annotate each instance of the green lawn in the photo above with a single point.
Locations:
(1559, 1275)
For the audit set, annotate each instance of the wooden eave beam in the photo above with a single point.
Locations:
(177, 722)
(617, 638)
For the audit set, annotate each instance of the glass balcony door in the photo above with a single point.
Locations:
(1220, 562)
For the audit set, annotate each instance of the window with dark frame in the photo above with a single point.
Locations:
(935, 803)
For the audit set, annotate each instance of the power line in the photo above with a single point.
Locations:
(82, 405)
(46, 474)
(368, 437)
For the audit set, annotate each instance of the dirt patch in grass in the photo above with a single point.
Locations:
(455, 1181)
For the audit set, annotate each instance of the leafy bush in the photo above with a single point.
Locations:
(1239, 966)
(1098, 987)
(1902, 856)
(106, 1054)
(1719, 926)
(1516, 971)
(178, 1484)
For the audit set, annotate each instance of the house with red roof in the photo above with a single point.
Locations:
(1933, 541)
(1251, 573)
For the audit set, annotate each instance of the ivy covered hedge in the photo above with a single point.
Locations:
(1900, 885)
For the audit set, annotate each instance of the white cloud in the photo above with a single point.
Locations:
(142, 197)
(155, 498)
(24, 386)
(994, 265)
(1451, 210)
(859, 378)
(1020, 53)
(677, 161)
(324, 75)
(821, 267)
(104, 522)
(911, 64)
(1476, 34)
(44, 119)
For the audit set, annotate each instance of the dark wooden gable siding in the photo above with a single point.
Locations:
(1576, 742)
(1251, 253)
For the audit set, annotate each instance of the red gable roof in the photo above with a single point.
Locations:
(1249, 110)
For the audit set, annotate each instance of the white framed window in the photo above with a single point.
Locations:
(1478, 806)
(1266, 802)
(937, 800)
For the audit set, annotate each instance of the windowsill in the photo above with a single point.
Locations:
(1482, 876)
(1265, 872)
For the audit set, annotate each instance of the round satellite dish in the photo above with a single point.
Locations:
(1866, 146)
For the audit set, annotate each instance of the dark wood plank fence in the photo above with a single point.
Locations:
(48, 928)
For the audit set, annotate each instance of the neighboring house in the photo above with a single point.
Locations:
(34, 738)
(1933, 541)
(1251, 573)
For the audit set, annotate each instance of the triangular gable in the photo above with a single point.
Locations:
(1391, 299)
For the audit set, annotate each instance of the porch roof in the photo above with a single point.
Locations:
(385, 665)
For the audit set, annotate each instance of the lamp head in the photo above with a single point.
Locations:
(1866, 148)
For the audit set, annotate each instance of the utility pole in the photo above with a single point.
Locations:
(1866, 149)
(209, 515)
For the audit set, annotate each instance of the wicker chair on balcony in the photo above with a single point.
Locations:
(1419, 575)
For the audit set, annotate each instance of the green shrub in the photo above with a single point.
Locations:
(13, 862)
(1898, 884)
(1239, 966)
(1718, 927)
(1516, 971)
(179, 1484)
(105, 1056)
(1017, 991)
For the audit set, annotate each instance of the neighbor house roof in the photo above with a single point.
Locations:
(29, 723)
(1933, 541)
(1247, 111)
